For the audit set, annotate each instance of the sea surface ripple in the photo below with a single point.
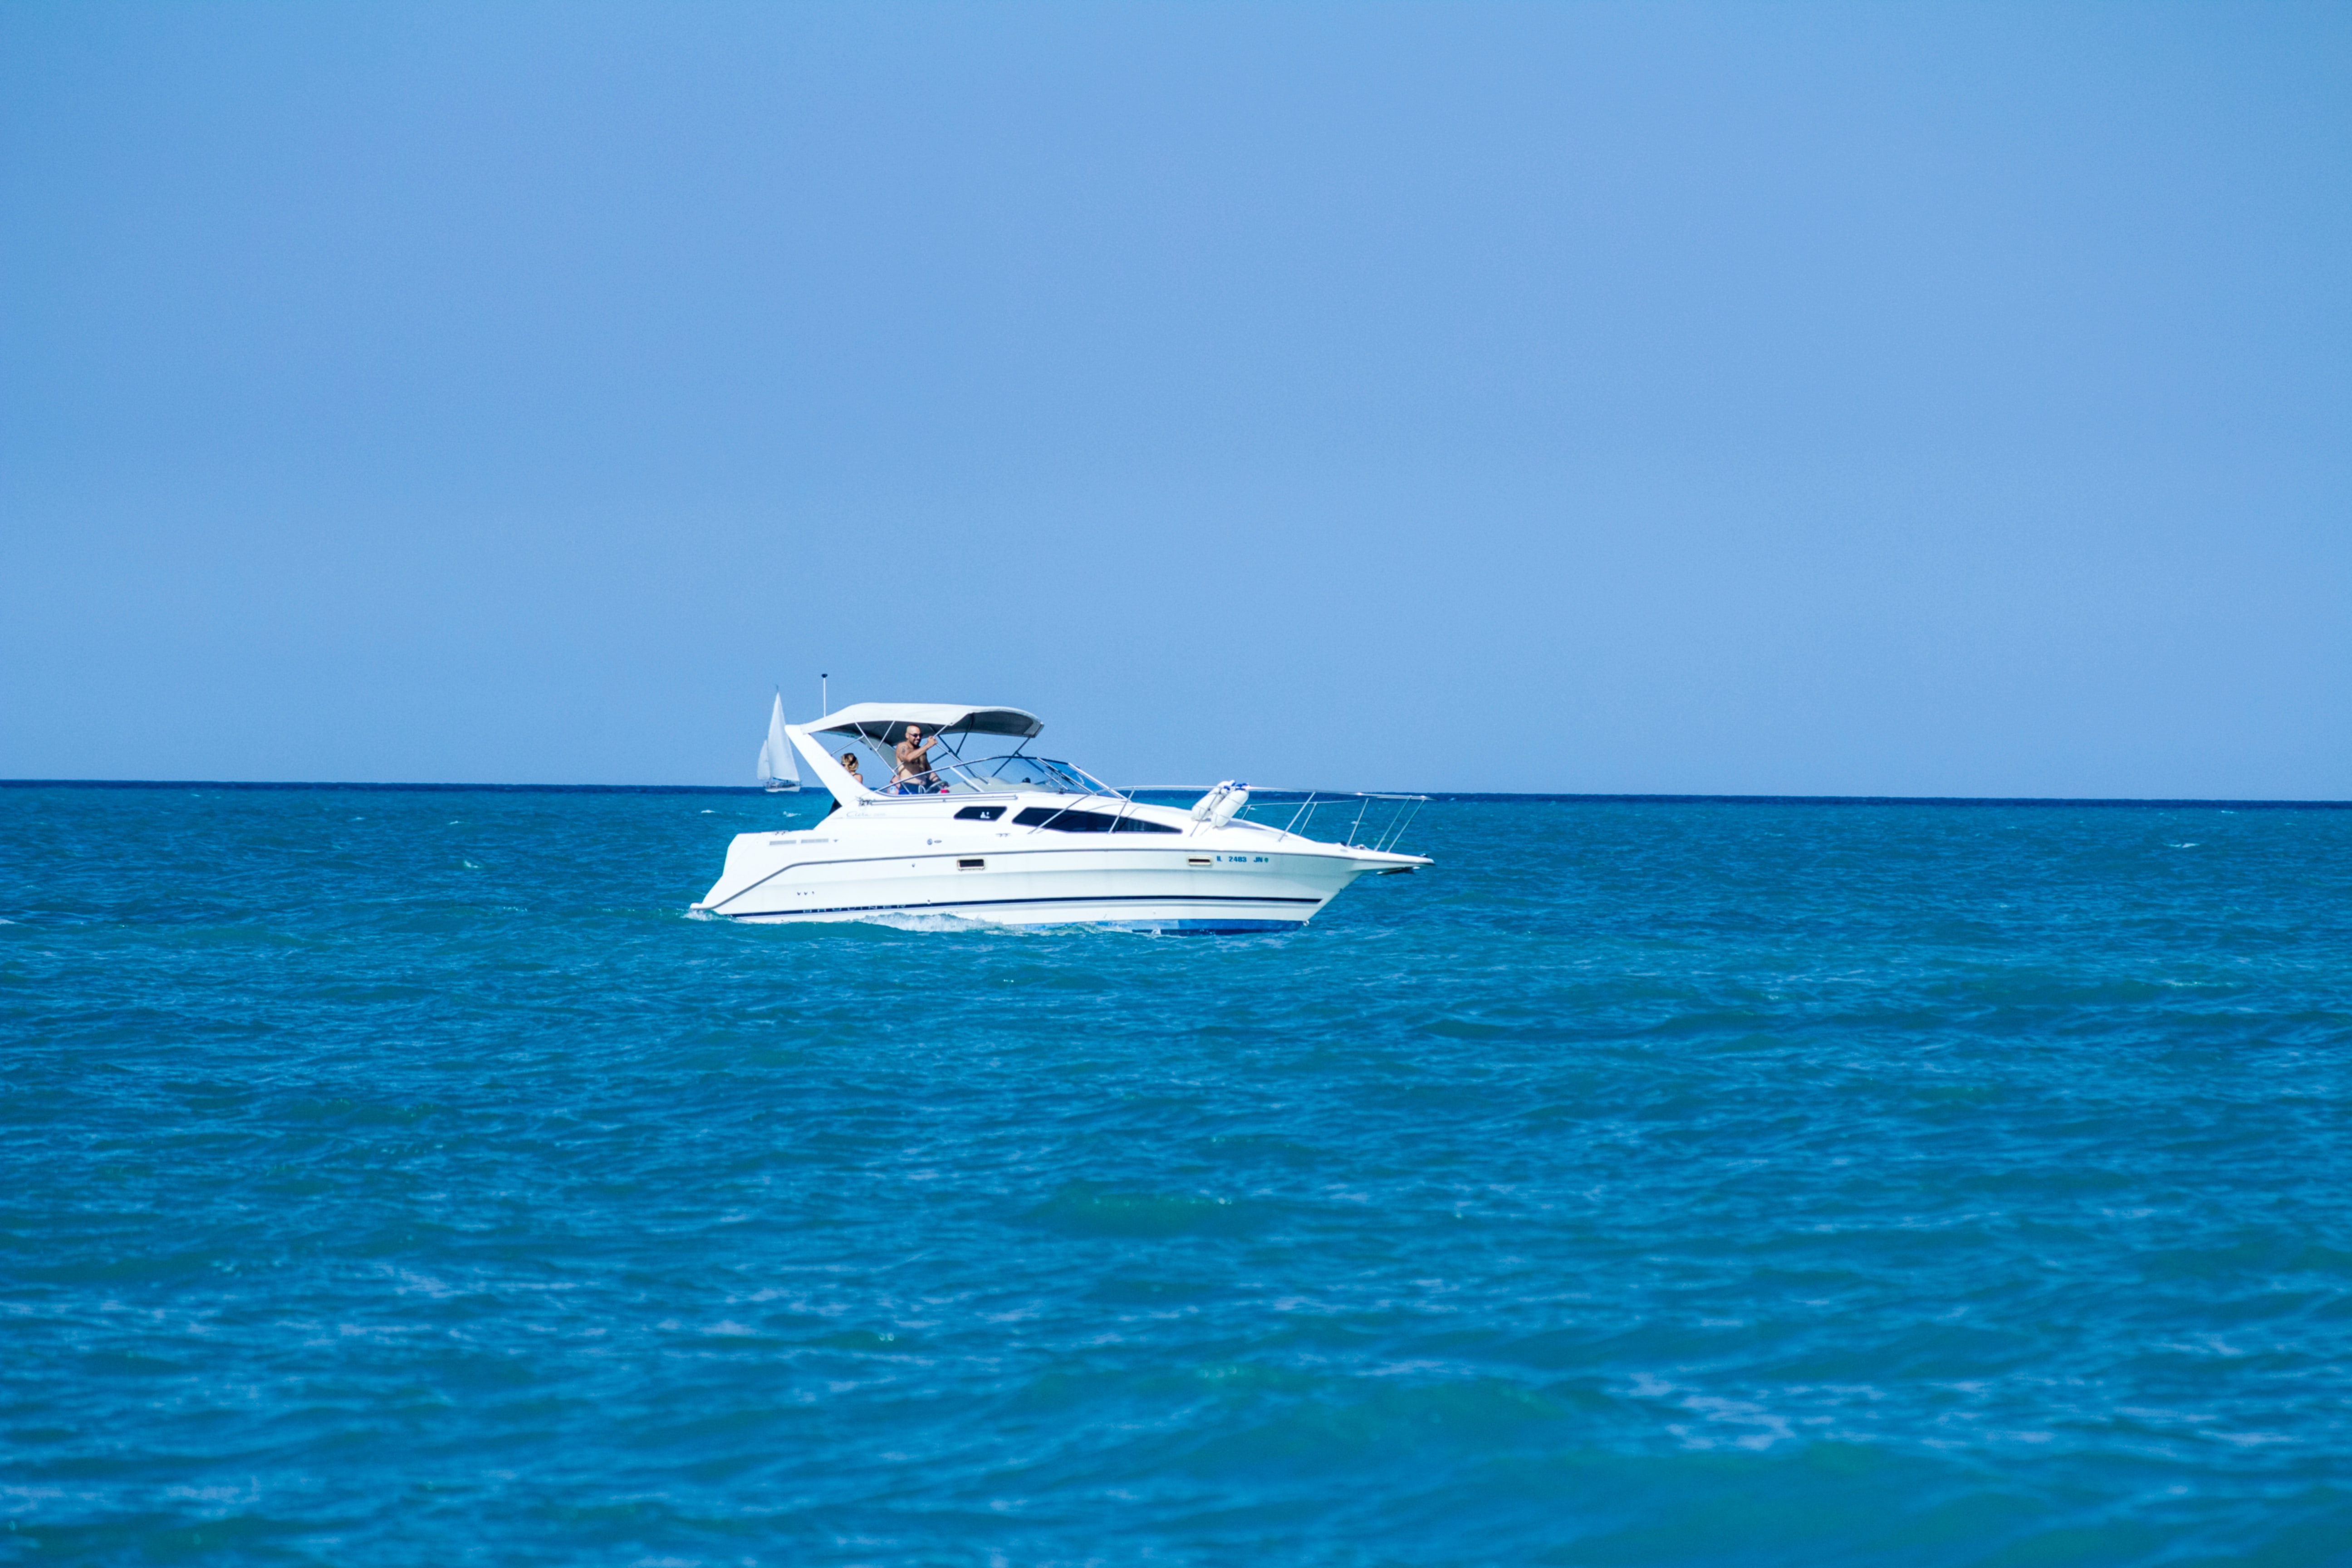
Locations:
(401, 1177)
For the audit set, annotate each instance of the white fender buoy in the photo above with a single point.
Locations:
(1208, 803)
(1223, 812)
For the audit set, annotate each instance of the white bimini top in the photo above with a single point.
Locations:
(888, 721)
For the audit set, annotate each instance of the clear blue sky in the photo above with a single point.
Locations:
(1767, 398)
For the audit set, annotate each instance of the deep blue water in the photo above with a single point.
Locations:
(405, 1178)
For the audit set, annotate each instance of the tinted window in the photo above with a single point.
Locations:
(979, 813)
(1086, 821)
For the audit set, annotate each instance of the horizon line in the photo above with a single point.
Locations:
(1472, 796)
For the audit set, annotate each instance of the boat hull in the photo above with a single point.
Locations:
(1183, 888)
(1123, 914)
(1030, 858)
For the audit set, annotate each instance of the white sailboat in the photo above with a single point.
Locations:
(778, 771)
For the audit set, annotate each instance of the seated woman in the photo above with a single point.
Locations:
(850, 766)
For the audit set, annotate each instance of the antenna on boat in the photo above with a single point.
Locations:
(823, 695)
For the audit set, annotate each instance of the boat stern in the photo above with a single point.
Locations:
(751, 858)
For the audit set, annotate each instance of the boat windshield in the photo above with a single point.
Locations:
(986, 775)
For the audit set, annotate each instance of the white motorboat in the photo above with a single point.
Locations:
(1020, 839)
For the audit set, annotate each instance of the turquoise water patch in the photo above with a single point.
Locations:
(390, 1177)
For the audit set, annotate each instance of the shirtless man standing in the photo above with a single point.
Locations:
(914, 755)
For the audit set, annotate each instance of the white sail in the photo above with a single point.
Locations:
(778, 769)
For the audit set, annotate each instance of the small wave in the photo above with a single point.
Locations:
(1086, 1208)
(900, 920)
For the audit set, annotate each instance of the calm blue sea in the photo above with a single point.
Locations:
(395, 1177)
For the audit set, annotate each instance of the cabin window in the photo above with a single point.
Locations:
(1059, 821)
(979, 813)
